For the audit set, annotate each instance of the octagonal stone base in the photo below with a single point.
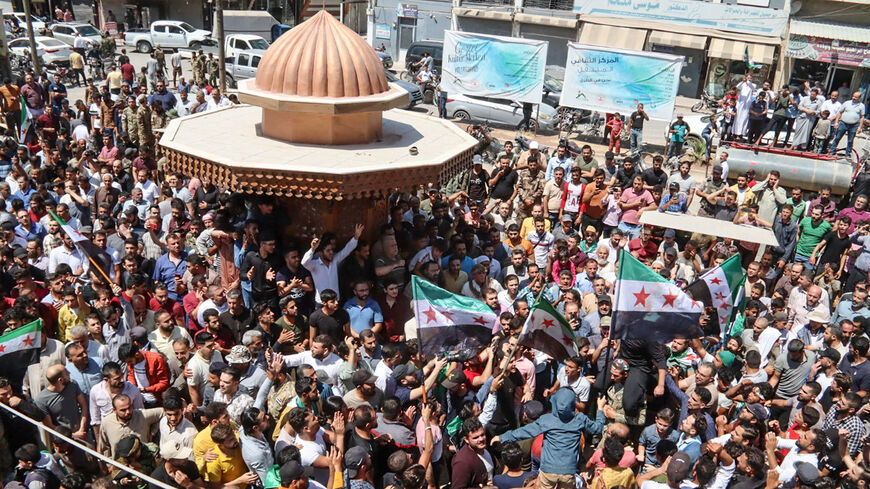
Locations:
(327, 129)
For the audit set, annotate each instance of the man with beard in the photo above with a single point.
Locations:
(166, 333)
(125, 421)
(365, 391)
(408, 385)
(503, 184)
(238, 317)
(320, 357)
(199, 365)
(64, 401)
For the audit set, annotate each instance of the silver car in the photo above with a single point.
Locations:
(498, 110)
(415, 96)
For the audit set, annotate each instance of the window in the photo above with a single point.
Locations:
(186, 26)
(259, 44)
(175, 30)
(17, 44)
(87, 30)
(243, 59)
(160, 29)
(255, 61)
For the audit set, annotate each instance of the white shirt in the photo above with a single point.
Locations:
(833, 106)
(310, 451)
(175, 60)
(80, 42)
(150, 192)
(181, 435)
(184, 108)
(80, 132)
(580, 386)
(141, 377)
(212, 105)
(786, 468)
(73, 258)
(385, 380)
(199, 369)
(100, 398)
(209, 304)
(330, 364)
(326, 276)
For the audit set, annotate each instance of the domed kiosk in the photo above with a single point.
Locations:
(319, 128)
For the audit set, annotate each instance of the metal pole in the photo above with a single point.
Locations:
(34, 56)
(219, 29)
(5, 69)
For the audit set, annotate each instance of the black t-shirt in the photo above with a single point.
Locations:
(305, 300)
(834, 249)
(330, 325)
(652, 177)
(189, 469)
(504, 187)
(625, 179)
(477, 185)
(636, 119)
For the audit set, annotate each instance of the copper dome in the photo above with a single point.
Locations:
(321, 58)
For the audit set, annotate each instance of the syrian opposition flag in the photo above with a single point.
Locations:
(26, 120)
(450, 323)
(100, 257)
(549, 332)
(649, 307)
(19, 349)
(720, 288)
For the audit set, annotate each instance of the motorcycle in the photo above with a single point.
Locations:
(428, 88)
(523, 143)
(707, 102)
(66, 75)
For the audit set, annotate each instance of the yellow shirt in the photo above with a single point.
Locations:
(201, 444)
(76, 61)
(226, 468)
(67, 318)
(529, 226)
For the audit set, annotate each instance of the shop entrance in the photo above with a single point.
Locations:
(690, 77)
(839, 76)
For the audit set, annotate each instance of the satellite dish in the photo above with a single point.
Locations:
(796, 6)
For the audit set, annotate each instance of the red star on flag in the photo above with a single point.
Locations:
(479, 320)
(448, 315)
(641, 297)
(669, 299)
(720, 296)
(2, 348)
(548, 323)
(431, 315)
(696, 304)
(28, 340)
(724, 305)
(567, 341)
(716, 281)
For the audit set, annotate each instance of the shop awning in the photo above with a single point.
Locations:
(663, 38)
(827, 30)
(758, 53)
(613, 37)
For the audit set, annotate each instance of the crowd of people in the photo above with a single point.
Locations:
(212, 352)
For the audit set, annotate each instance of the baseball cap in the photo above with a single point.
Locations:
(138, 333)
(670, 233)
(402, 370)
(361, 377)
(603, 298)
(806, 472)
(293, 470)
(455, 378)
(354, 459)
(670, 251)
(608, 155)
(621, 365)
(534, 145)
(19, 252)
(717, 168)
(759, 411)
(433, 188)
(831, 353)
(674, 186)
(591, 229)
(172, 450)
(239, 354)
(780, 316)
(476, 160)
(217, 368)
(565, 218)
(679, 467)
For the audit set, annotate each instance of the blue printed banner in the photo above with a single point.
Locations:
(616, 80)
(493, 66)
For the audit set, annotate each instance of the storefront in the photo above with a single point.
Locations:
(728, 62)
(691, 48)
(836, 56)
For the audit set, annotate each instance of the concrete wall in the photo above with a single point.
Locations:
(432, 20)
(558, 39)
(484, 26)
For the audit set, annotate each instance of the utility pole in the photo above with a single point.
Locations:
(34, 56)
(5, 69)
(219, 30)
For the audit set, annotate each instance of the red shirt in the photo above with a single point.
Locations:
(190, 302)
(650, 250)
(128, 72)
(171, 306)
(395, 317)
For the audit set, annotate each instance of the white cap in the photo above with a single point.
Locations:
(476, 160)
(533, 145)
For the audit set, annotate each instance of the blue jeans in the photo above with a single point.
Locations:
(708, 138)
(842, 129)
(630, 230)
(635, 141)
(798, 258)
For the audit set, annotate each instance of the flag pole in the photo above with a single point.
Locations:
(507, 358)
(608, 356)
(94, 263)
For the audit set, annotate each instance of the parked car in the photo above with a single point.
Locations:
(168, 34)
(417, 48)
(497, 110)
(243, 65)
(66, 32)
(415, 95)
(19, 19)
(52, 51)
(235, 43)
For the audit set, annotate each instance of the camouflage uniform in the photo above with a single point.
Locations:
(531, 187)
(143, 123)
(161, 59)
(130, 125)
(213, 70)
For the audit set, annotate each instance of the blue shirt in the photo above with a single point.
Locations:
(363, 317)
(24, 196)
(555, 162)
(165, 271)
(89, 377)
(59, 88)
(36, 231)
(467, 263)
(583, 283)
(166, 99)
(679, 206)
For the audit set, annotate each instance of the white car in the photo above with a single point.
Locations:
(21, 18)
(497, 110)
(237, 43)
(66, 32)
(51, 50)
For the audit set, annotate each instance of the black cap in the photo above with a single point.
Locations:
(361, 377)
(674, 186)
(293, 471)
(217, 368)
(456, 377)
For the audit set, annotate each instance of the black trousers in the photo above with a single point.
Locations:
(635, 391)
